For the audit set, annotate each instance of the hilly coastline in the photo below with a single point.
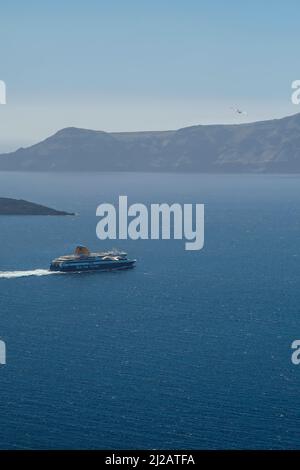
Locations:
(10, 206)
(260, 147)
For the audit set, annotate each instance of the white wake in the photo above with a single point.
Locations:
(34, 272)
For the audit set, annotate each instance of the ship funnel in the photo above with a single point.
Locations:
(82, 251)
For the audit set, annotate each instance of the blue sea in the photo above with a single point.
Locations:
(190, 350)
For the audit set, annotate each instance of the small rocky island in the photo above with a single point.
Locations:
(10, 206)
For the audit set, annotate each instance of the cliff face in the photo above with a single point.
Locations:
(268, 146)
(10, 206)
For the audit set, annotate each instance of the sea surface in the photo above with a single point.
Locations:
(190, 350)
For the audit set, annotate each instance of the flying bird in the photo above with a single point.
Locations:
(238, 110)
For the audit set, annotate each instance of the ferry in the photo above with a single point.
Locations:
(83, 260)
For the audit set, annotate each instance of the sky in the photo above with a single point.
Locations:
(140, 65)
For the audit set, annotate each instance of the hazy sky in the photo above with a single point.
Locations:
(135, 65)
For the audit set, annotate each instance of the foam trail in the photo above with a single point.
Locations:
(34, 272)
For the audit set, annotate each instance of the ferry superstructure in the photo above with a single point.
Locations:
(83, 260)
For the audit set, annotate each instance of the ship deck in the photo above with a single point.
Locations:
(90, 257)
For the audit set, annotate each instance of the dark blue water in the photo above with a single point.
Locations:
(189, 350)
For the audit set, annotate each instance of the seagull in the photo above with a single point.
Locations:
(238, 110)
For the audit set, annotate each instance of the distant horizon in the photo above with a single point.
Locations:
(11, 147)
(260, 146)
(139, 66)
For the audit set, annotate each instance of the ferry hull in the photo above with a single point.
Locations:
(109, 266)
